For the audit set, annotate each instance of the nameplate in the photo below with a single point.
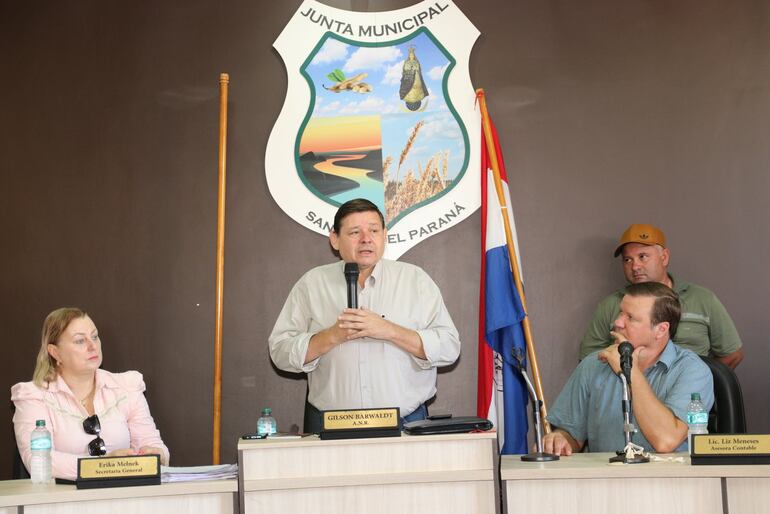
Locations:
(354, 423)
(730, 449)
(130, 470)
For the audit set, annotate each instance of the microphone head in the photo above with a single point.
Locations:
(351, 269)
(625, 348)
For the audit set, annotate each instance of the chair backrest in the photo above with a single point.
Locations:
(727, 415)
(18, 471)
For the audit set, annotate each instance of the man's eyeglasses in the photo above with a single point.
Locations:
(92, 426)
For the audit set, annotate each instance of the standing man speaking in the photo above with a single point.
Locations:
(383, 354)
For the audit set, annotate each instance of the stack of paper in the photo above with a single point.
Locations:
(188, 474)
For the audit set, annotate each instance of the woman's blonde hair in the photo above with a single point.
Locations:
(54, 325)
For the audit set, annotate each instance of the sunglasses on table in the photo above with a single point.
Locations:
(92, 426)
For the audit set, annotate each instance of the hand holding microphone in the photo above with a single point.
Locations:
(360, 322)
(626, 360)
(338, 333)
(619, 355)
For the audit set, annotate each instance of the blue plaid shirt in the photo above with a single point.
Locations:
(590, 409)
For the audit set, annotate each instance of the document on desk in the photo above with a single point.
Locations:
(190, 473)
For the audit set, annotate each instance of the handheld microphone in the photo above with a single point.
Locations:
(351, 277)
(626, 360)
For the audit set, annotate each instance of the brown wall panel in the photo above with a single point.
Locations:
(609, 113)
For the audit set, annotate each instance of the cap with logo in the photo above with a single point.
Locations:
(641, 233)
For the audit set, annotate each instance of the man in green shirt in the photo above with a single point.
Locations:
(705, 328)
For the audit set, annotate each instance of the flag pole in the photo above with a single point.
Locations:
(531, 355)
(224, 80)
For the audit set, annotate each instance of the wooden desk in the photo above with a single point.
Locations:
(208, 497)
(452, 473)
(586, 482)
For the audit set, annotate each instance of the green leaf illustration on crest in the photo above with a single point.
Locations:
(337, 75)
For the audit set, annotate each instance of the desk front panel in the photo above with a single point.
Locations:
(444, 498)
(613, 495)
(204, 497)
(220, 503)
(586, 482)
(311, 457)
(748, 495)
(453, 473)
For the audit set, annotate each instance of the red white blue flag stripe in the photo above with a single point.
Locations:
(502, 395)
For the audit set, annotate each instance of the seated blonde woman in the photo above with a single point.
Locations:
(89, 411)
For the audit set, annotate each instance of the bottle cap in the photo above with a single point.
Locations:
(695, 396)
(40, 423)
(267, 411)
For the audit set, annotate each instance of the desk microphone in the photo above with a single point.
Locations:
(351, 277)
(537, 404)
(627, 455)
(626, 349)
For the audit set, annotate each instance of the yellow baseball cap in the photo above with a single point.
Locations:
(641, 233)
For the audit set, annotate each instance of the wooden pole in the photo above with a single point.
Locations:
(224, 80)
(531, 355)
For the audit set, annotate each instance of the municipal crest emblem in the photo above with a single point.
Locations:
(379, 106)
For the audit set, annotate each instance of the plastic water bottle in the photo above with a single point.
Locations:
(266, 424)
(697, 419)
(40, 444)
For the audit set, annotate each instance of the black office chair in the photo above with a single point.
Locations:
(727, 415)
(18, 471)
(311, 422)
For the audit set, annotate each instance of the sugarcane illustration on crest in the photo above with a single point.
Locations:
(343, 83)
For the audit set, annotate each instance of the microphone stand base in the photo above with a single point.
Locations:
(636, 459)
(539, 457)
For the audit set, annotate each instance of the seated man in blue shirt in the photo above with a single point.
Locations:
(663, 376)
